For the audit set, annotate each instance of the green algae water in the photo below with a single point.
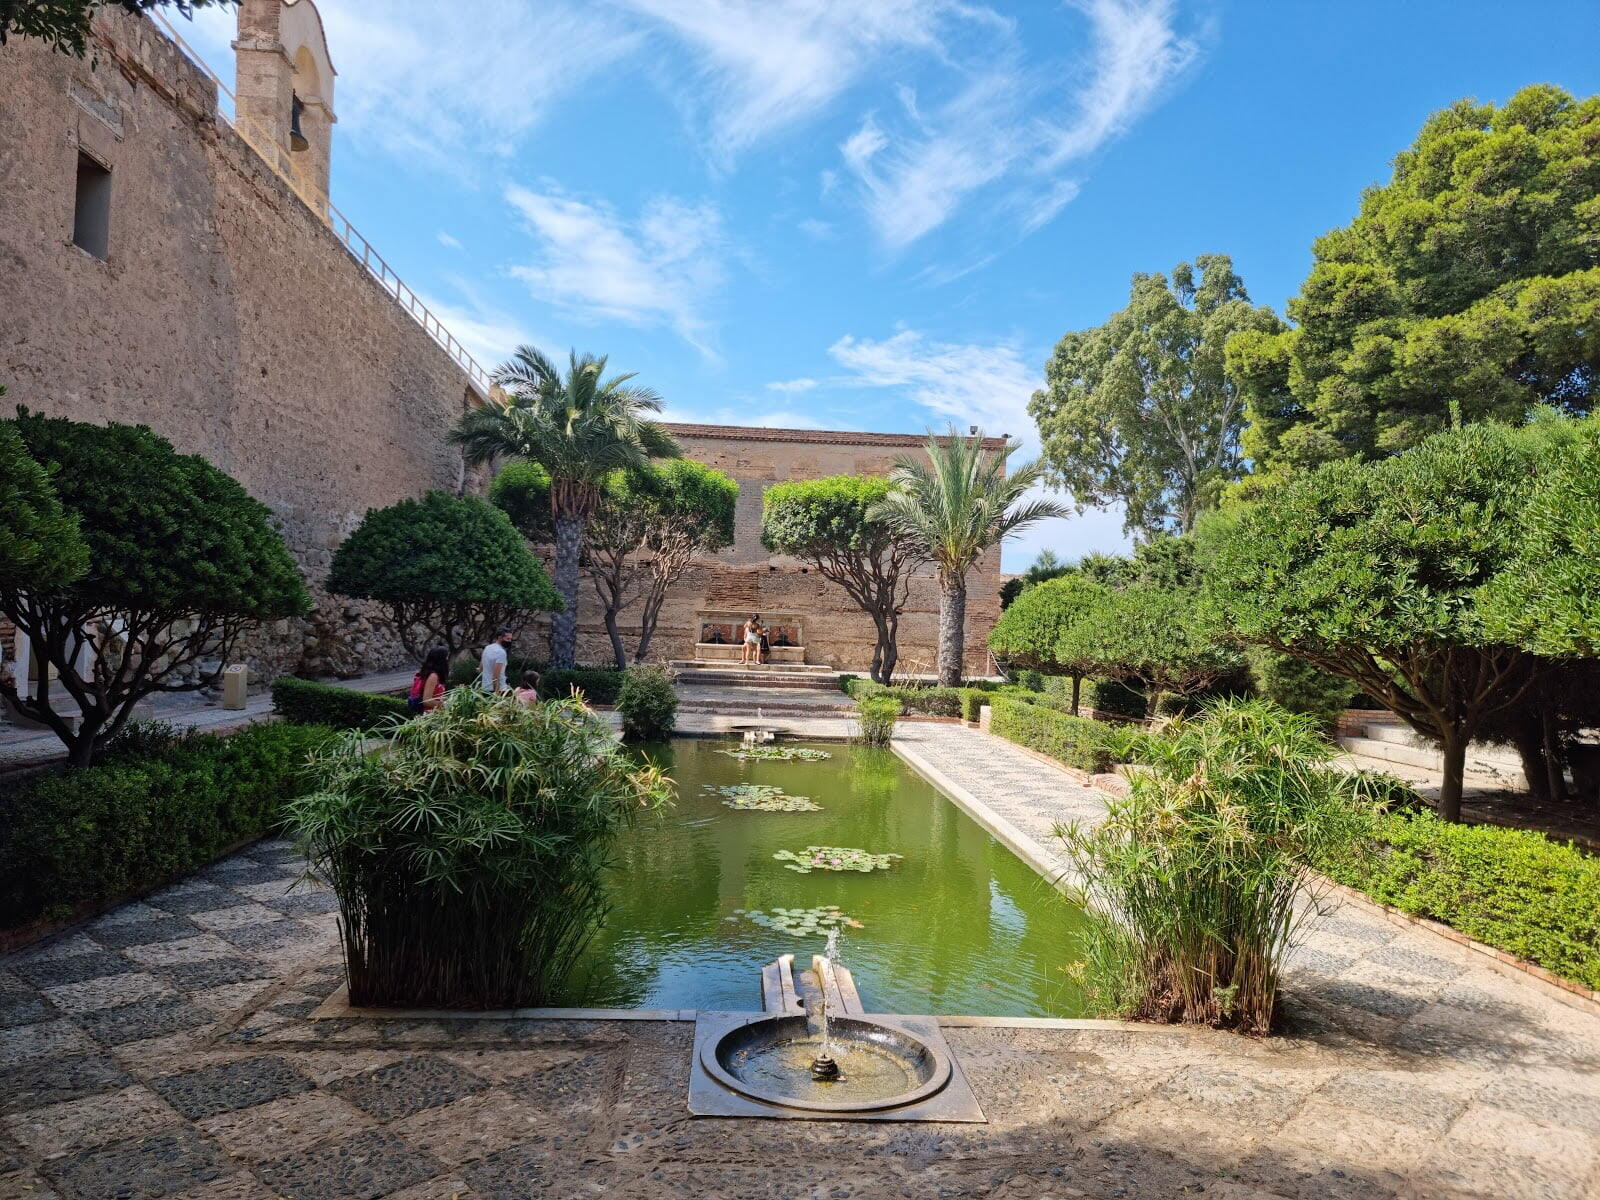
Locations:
(956, 925)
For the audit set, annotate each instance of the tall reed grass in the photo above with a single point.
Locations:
(468, 851)
(1193, 879)
(875, 719)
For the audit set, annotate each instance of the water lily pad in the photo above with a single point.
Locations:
(762, 797)
(834, 858)
(802, 922)
(776, 754)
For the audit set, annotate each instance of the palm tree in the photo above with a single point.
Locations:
(958, 504)
(579, 429)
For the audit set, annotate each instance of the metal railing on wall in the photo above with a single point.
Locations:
(275, 156)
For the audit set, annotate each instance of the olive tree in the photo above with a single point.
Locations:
(449, 567)
(1375, 571)
(689, 510)
(833, 525)
(180, 561)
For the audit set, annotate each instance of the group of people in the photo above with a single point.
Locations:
(494, 675)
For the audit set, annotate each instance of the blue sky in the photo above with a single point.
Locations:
(878, 214)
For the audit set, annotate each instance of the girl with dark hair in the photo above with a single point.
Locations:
(427, 689)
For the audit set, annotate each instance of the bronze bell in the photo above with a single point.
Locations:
(297, 140)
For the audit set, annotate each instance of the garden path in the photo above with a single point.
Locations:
(167, 1049)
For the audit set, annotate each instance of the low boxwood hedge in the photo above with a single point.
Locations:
(1510, 888)
(306, 702)
(1076, 741)
(157, 806)
(931, 701)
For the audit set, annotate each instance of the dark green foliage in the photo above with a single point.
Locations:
(1075, 741)
(1109, 697)
(181, 561)
(875, 718)
(1512, 889)
(64, 24)
(450, 569)
(1194, 880)
(470, 857)
(598, 685)
(306, 702)
(1294, 684)
(40, 547)
(464, 671)
(160, 805)
(522, 491)
(1470, 281)
(1046, 567)
(648, 704)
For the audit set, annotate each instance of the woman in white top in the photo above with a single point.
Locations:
(752, 641)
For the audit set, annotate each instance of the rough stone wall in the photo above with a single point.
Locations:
(226, 315)
(747, 578)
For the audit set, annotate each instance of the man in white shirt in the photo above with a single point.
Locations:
(492, 675)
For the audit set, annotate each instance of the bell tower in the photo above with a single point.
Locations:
(284, 85)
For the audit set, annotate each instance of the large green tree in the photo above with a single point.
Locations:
(689, 510)
(580, 427)
(450, 570)
(1140, 411)
(64, 24)
(833, 525)
(1375, 572)
(1038, 630)
(181, 561)
(1471, 280)
(956, 504)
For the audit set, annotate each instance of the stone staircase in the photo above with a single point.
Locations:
(1398, 751)
(801, 676)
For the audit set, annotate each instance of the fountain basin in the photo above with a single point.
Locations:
(890, 1069)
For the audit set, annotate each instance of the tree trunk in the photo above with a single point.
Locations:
(1077, 690)
(1530, 749)
(884, 650)
(564, 624)
(1554, 759)
(647, 627)
(618, 651)
(952, 627)
(1454, 747)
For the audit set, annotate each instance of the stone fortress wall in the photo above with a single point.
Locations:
(227, 316)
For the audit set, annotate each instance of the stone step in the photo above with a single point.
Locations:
(819, 670)
(1418, 763)
(752, 680)
(1499, 757)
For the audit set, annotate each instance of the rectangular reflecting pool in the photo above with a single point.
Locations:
(956, 925)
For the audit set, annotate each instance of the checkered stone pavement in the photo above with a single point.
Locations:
(167, 1050)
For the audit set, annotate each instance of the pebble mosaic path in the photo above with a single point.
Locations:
(166, 1050)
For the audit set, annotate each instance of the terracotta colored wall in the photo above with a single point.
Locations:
(227, 316)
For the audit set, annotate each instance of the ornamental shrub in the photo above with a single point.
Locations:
(1294, 684)
(450, 570)
(1075, 741)
(1194, 882)
(182, 561)
(306, 702)
(40, 547)
(648, 704)
(597, 685)
(875, 718)
(930, 701)
(159, 805)
(470, 857)
(1111, 697)
(1511, 888)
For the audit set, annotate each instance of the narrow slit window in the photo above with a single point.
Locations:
(91, 218)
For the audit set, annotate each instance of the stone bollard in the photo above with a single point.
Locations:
(985, 715)
(235, 683)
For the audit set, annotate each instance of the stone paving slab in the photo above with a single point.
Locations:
(187, 1067)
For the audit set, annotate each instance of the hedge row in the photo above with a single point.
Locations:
(305, 702)
(1510, 888)
(1077, 741)
(154, 809)
(930, 701)
(599, 685)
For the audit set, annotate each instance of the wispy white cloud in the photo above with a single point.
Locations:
(751, 416)
(446, 239)
(791, 385)
(764, 65)
(916, 172)
(1136, 53)
(489, 333)
(822, 231)
(658, 269)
